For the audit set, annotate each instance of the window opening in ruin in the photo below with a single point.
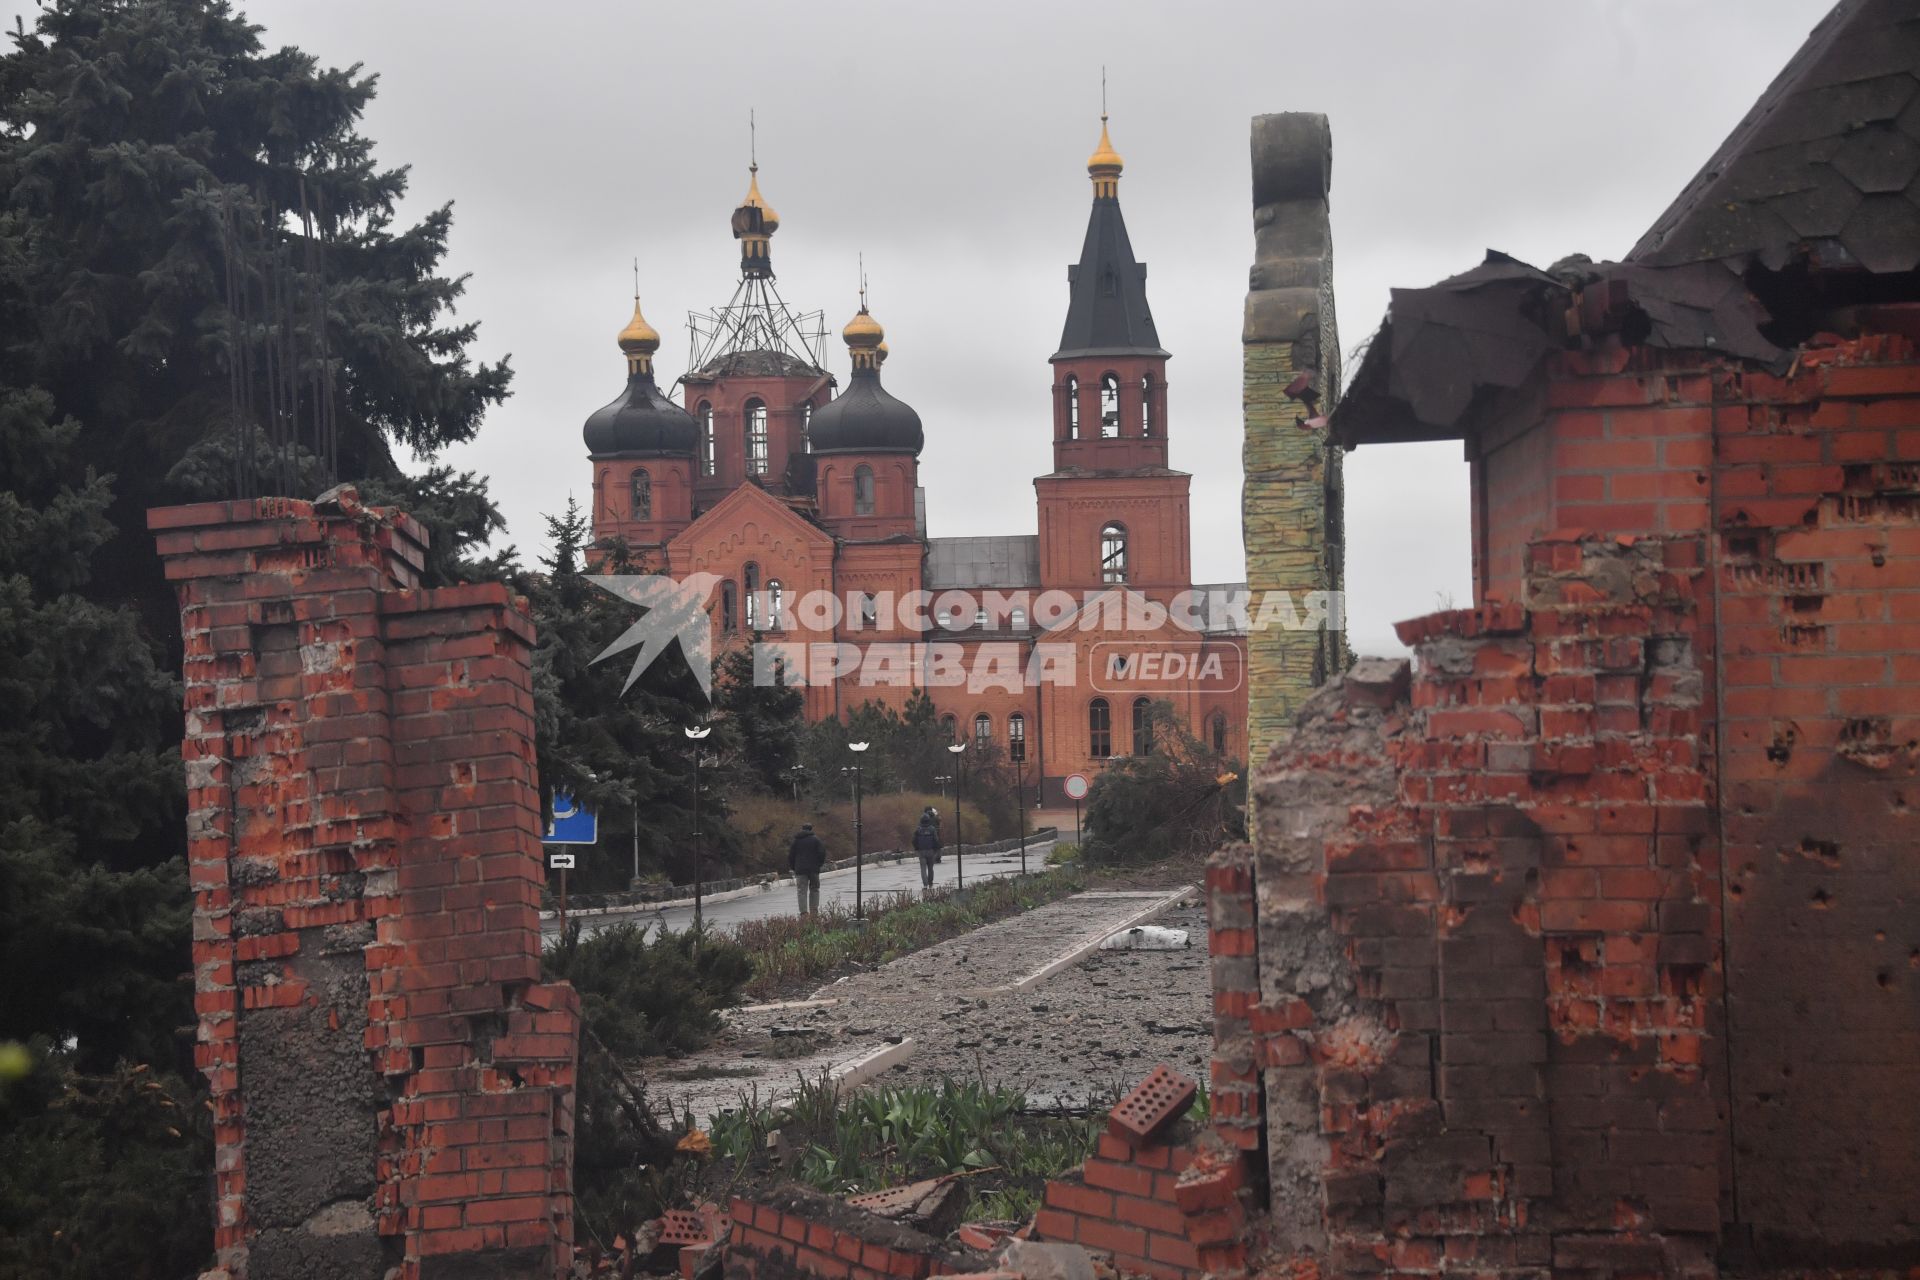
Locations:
(756, 438)
(1113, 553)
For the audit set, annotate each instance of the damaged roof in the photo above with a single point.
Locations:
(1012, 561)
(1446, 348)
(1825, 163)
(1824, 169)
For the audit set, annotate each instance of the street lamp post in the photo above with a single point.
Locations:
(959, 750)
(859, 848)
(698, 734)
(1020, 794)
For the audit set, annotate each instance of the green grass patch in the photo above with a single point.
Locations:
(792, 954)
(844, 1144)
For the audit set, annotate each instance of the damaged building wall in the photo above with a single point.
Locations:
(1488, 911)
(391, 1084)
(1291, 496)
(1806, 485)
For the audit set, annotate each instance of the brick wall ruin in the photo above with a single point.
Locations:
(1586, 944)
(391, 1082)
(1488, 918)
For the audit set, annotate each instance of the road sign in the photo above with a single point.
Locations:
(560, 861)
(571, 824)
(1076, 786)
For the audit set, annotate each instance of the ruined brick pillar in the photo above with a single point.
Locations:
(1290, 505)
(391, 1083)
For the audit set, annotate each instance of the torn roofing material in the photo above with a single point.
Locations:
(1824, 164)
(1443, 348)
(1824, 172)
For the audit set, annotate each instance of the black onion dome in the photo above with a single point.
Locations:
(865, 419)
(641, 421)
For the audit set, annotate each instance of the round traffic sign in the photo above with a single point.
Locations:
(1076, 786)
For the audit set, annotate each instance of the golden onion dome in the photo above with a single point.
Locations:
(639, 337)
(863, 330)
(769, 220)
(880, 354)
(1104, 160)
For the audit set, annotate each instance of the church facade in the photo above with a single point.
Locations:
(804, 507)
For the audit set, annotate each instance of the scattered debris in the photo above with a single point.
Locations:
(1147, 937)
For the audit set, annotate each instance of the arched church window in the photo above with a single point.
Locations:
(1146, 404)
(1016, 737)
(863, 490)
(776, 606)
(806, 427)
(1073, 407)
(705, 414)
(729, 605)
(982, 729)
(1142, 727)
(950, 727)
(1099, 729)
(1217, 732)
(1109, 406)
(869, 609)
(756, 438)
(642, 484)
(1017, 620)
(1109, 283)
(1113, 553)
(750, 578)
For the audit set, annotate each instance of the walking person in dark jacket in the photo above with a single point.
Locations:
(926, 843)
(805, 856)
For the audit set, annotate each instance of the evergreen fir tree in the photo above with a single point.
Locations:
(759, 724)
(621, 754)
(92, 928)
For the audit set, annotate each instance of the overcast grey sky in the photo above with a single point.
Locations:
(948, 143)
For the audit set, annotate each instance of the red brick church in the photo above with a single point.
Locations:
(1051, 644)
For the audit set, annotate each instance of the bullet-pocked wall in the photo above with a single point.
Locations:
(392, 1083)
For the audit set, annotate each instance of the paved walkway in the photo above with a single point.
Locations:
(881, 880)
(1072, 1036)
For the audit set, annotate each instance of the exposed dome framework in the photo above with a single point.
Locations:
(757, 319)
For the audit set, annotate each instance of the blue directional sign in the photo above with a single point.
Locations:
(571, 824)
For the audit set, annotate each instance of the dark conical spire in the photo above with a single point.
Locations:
(1107, 311)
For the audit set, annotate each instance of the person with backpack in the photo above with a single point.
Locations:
(805, 856)
(926, 843)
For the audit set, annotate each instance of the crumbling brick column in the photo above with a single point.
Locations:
(392, 1085)
(1488, 939)
(1290, 505)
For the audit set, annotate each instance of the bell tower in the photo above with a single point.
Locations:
(1111, 512)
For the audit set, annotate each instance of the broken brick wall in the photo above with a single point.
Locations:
(1805, 485)
(391, 1083)
(1486, 913)
(1168, 1205)
(791, 1231)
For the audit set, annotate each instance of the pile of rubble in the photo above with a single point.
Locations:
(1160, 1197)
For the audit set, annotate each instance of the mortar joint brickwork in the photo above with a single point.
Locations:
(390, 1080)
